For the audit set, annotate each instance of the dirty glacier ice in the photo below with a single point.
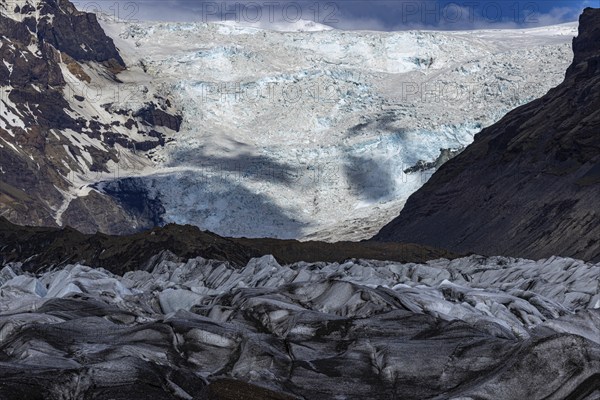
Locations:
(472, 328)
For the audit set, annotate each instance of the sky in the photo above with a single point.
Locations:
(385, 15)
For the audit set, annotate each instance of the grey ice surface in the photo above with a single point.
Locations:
(472, 328)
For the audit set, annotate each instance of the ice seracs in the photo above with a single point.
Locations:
(300, 25)
(313, 131)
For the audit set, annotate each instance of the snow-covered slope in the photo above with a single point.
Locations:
(308, 134)
(473, 328)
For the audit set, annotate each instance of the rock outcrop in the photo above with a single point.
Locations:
(528, 186)
(76, 33)
(65, 115)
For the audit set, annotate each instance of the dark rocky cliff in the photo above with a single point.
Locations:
(529, 185)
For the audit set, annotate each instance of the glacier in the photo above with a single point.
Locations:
(310, 132)
(470, 328)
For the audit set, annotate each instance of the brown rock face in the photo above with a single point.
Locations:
(528, 186)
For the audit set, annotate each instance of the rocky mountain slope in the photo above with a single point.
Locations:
(473, 328)
(66, 116)
(528, 186)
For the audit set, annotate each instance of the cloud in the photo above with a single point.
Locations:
(559, 15)
(381, 15)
